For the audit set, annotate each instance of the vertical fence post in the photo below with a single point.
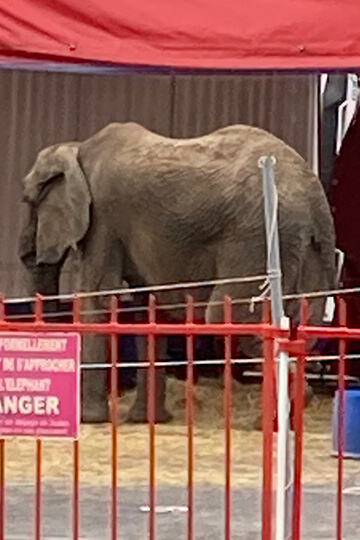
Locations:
(283, 509)
(76, 521)
(151, 402)
(299, 404)
(2, 489)
(114, 418)
(341, 424)
(227, 412)
(190, 415)
(268, 407)
(39, 310)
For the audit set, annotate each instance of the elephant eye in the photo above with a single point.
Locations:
(48, 185)
(26, 199)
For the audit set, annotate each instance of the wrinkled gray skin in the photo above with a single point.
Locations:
(155, 210)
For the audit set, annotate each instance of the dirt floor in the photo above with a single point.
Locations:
(171, 445)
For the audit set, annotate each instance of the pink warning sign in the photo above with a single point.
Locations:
(39, 385)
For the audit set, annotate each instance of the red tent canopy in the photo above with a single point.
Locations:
(229, 34)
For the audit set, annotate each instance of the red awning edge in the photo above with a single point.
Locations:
(207, 34)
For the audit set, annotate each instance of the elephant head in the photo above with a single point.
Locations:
(56, 200)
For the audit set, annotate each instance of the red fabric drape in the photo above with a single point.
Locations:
(251, 34)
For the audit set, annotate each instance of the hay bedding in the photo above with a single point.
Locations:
(171, 446)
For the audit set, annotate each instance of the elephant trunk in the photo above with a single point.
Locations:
(42, 279)
(45, 279)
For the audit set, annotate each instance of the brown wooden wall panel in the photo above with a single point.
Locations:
(282, 104)
(138, 98)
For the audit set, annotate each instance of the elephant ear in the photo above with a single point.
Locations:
(27, 240)
(58, 189)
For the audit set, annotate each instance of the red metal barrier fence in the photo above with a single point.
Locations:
(273, 340)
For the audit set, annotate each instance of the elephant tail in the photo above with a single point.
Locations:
(323, 233)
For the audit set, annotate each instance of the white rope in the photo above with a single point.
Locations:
(167, 307)
(265, 287)
(180, 286)
(153, 288)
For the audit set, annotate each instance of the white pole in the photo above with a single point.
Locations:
(284, 480)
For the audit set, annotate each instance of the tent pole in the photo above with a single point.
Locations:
(284, 481)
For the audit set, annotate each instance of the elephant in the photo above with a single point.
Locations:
(153, 210)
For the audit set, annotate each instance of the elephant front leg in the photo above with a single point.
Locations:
(94, 391)
(139, 412)
(94, 398)
(100, 269)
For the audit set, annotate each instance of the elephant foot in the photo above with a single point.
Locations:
(138, 415)
(95, 414)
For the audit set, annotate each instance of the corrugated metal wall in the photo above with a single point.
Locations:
(283, 105)
(38, 109)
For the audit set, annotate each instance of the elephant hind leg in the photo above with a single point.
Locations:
(248, 346)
